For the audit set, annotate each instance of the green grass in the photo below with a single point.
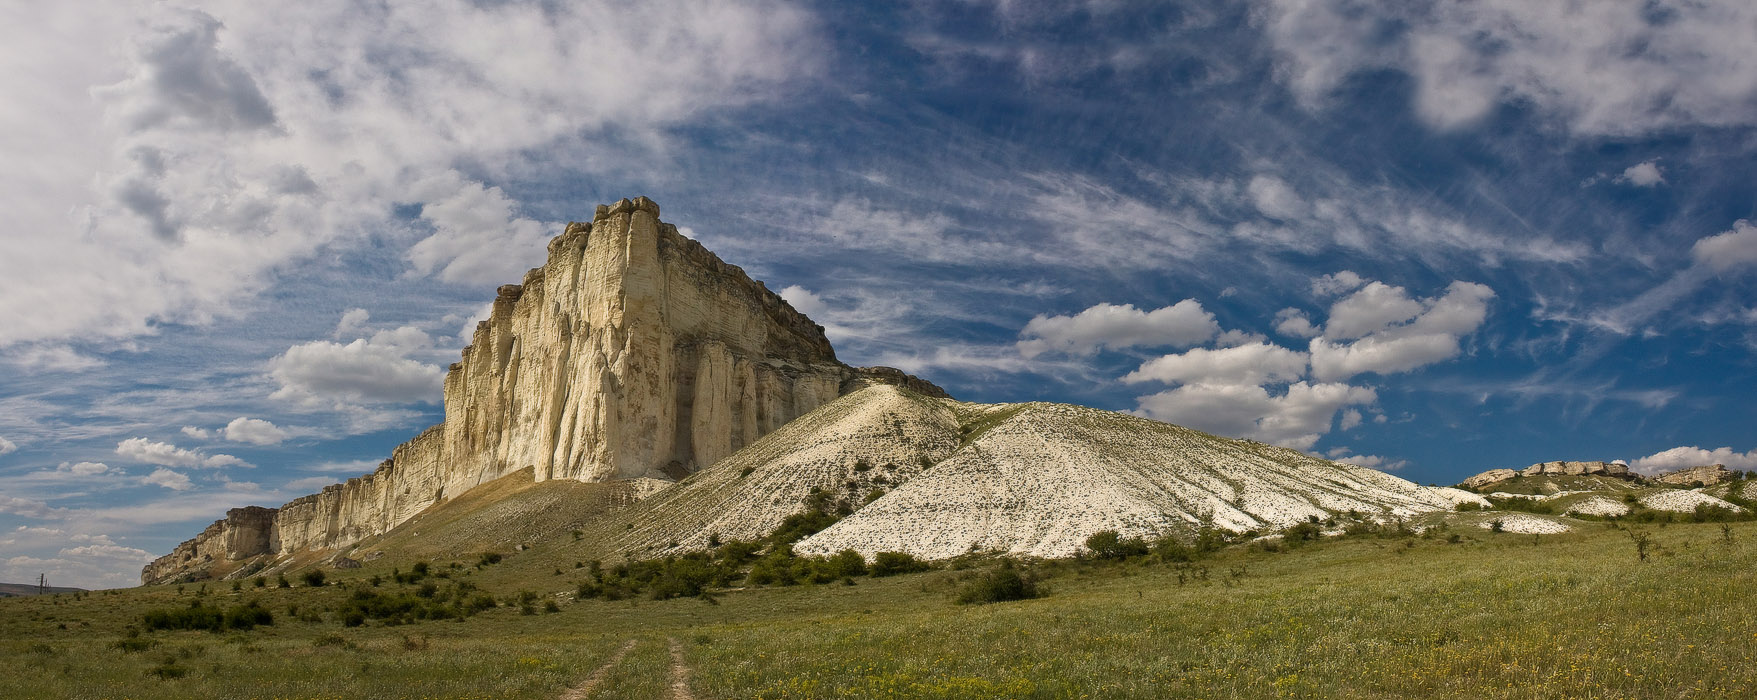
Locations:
(1492, 615)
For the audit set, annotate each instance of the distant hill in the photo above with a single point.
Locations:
(17, 590)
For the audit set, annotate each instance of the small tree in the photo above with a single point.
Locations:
(1643, 541)
(1107, 544)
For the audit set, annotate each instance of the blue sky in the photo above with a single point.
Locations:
(1434, 238)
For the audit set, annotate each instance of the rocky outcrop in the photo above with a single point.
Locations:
(243, 533)
(1694, 476)
(1496, 476)
(1577, 469)
(633, 352)
(1488, 478)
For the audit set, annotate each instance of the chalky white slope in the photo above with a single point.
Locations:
(1026, 479)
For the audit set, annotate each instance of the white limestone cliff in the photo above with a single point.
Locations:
(633, 352)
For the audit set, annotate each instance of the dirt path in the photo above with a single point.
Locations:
(584, 690)
(679, 673)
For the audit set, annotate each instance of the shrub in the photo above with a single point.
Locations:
(313, 578)
(1172, 550)
(893, 563)
(801, 525)
(281, 582)
(998, 586)
(201, 617)
(488, 559)
(1107, 544)
(1300, 534)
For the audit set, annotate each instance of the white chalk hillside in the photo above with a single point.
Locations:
(1029, 479)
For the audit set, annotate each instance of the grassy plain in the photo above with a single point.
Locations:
(1491, 615)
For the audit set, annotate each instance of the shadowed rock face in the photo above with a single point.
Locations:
(632, 352)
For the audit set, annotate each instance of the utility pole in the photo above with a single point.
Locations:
(42, 584)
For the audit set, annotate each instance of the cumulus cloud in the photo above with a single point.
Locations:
(1371, 462)
(1350, 419)
(1111, 326)
(1261, 390)
(1243, 364)
(1733, 249)
(85, 468)
(1296, 418)
(353, 321)
(1371, 309)
(168, 479)
(377, 370)
(1336, 283)
(1395, 332)
(7, 446)
(254, 431)
(1643, 174)
(1293, 322)
(152, 452)
(198, 433)
(1601, 68)
(1693, 456)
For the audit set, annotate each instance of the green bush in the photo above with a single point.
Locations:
(313, 578)
(893, 563)
(1107, 544)
(201, 617)
(998, 586)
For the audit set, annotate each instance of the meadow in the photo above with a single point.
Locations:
(1458, 611)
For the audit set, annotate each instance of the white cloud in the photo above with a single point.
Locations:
(1351, 419)
(7, 446)
(1293, 322)
(1110, 326)
(1371, 462)
(51, 358)
(1396, 333)
(308, 484)
(1601, 68)
(198, 433)
(229, 142)
(353, 321)
(151, 452)
(254, 431)
(363, 371)
(1643, 174)
(1244, 364)
(86, 468)
(478, 236)
(806, 302)
(168, 479)
(1373, 308)
(1295, 418)
(1735, 248)
(29, 508)
(1338, 283)
(1692, 456)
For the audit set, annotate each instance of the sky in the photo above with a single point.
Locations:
(245, 239)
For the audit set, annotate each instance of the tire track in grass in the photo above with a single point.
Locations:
(584, 689)
(679, 673)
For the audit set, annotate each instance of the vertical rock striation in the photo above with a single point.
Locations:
(632, 352)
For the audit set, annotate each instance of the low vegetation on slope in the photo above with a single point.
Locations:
(1384, 613)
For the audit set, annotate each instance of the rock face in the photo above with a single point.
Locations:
(1495, 476)
(632, 352)
(1707, 476)
(1576, 469)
